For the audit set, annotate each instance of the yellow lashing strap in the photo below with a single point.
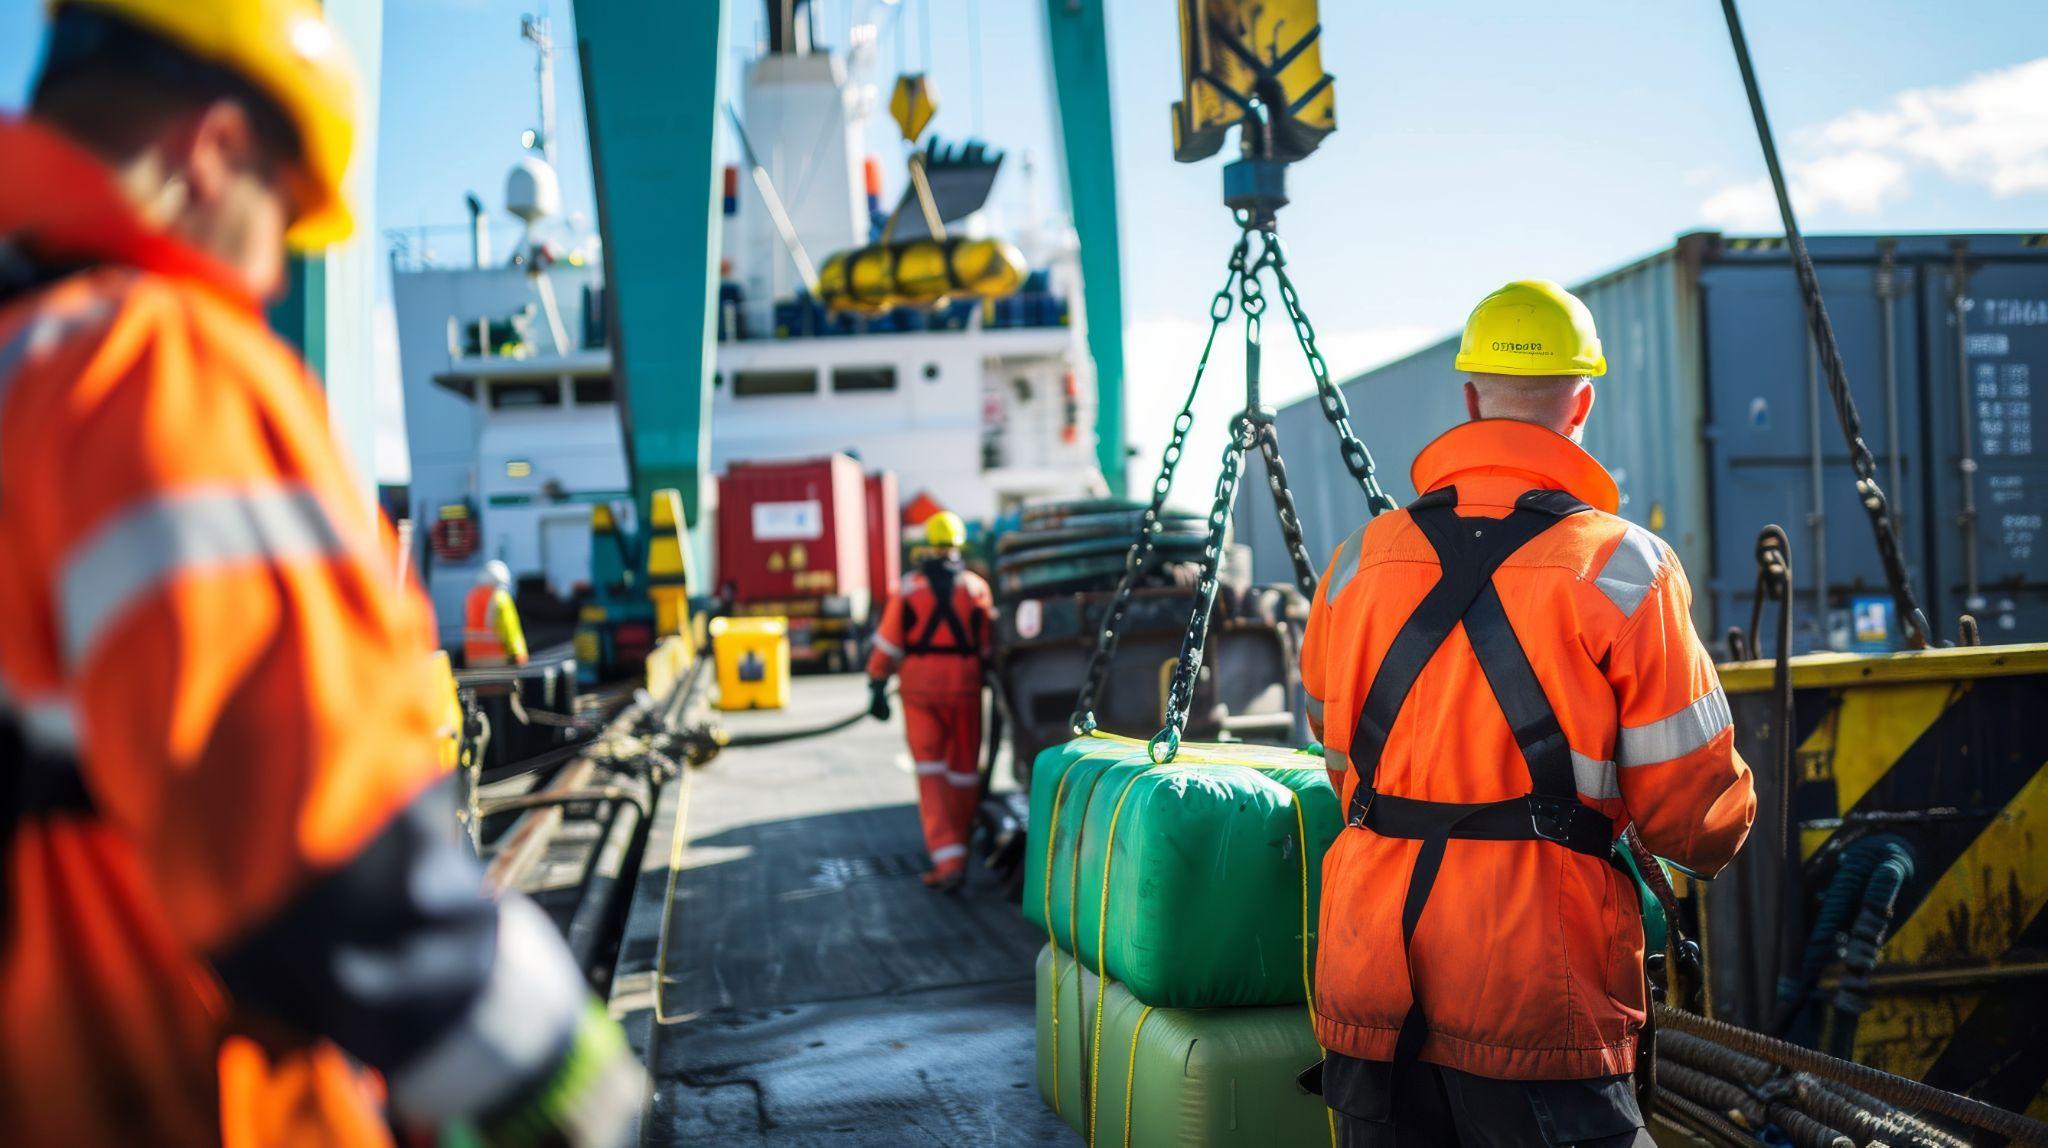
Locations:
(1102, 951)
(1131, 1073)
(1059, 796)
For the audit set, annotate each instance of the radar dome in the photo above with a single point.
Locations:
(532, 190)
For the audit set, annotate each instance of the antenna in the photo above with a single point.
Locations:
(538, 31)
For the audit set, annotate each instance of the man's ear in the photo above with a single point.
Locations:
(1472, 401)
(1583, 405)
(217, 144)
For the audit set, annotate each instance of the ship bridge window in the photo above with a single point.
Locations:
(755, 384)
(524, 396)
(863, 378)
(595, 391)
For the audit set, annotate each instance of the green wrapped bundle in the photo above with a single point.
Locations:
(1210, 895)
(1172, 1077)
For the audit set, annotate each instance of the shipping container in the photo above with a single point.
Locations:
(885, 535)
(793, 541)
(1714, 421)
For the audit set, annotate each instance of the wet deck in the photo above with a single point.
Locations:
(811, 990)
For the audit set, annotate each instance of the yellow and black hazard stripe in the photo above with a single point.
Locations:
(1949, 751)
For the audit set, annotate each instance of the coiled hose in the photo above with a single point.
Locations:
(1855, 914)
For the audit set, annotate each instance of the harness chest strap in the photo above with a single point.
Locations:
(1469, 551)
(942, 577)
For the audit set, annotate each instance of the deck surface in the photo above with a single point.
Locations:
(813, 991)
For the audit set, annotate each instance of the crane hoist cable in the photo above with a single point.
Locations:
(1868, 491)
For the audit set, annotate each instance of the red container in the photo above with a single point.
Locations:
(885, 536)
(793, 537)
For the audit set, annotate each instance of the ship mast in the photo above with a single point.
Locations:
(538, 31)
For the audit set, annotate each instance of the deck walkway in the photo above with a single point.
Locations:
(813, 991)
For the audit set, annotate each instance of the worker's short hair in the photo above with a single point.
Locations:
(114, 84)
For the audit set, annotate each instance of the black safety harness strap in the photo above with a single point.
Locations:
(942, 577)
(1469, 550)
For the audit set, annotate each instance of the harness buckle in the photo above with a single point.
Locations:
(1364, 808)
(1551, 817)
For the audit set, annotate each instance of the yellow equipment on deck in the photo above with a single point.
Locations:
(1938, 760)
(919, 273)
(752, 656)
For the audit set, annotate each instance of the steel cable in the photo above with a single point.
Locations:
(1830, 357)
(1898, 1090)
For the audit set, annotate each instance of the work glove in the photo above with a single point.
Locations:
(878, 699)
(591, 1101)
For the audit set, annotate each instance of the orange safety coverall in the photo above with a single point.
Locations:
(1526, 962)
(941, 653)
(231, 880)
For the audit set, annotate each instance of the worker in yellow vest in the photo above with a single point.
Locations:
(491, 634)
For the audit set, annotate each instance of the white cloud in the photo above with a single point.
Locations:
(1990, 131)
(1160, 353)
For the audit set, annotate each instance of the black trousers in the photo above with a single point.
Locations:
(1381, 1105)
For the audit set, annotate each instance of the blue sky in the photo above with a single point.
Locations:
(1478, 142)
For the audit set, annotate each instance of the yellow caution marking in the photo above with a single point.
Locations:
(1863, 737)
(1987, 897)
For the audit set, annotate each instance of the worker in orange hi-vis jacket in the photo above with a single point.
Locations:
(935, 632)
(236, 910)
(1504, 675)
(491, 633)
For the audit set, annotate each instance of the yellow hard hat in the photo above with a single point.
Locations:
(288, 51)
(944, 529)
(1531, 327)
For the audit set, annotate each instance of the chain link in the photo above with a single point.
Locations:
(1082, 721)
(1357, 459)
(1166, 743)
(1305, 576)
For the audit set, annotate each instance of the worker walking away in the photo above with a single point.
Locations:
(935, 632)
(1504, 675)
(235, 908)
(491, 633)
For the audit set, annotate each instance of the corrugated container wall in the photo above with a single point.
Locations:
(1645, 427)
(1715, 422)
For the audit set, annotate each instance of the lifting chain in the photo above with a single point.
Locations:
(1244, 434)
(1868, 492)
(1252, 428)
(1357, 459)
(1139, 555)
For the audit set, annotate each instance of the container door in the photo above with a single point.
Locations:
(1988, 539)
(1770, 417)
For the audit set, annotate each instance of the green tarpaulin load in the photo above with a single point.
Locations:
(1172, 1077)
(1188, 883)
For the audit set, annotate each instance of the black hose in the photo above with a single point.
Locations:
(1774, 581)
(1866, 938)
(1847, 890)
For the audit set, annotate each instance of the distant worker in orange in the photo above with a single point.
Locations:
(491, 633)
(1504, 675)
(936, 629)
(235, 910)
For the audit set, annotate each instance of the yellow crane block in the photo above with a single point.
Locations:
(1237, 53)
(913, 104)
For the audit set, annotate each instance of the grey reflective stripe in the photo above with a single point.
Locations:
(1336, 759)
(1630, 570)
(1674, 736)
(1344, 565)
(1315, 707)
(888, 647)
(522, 1021)
(1594, 778)
(945, 853)
(930, 768)
(191, 530)
(963, 780)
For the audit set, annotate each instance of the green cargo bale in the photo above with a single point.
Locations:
(1173, 1076)
(1211, 896)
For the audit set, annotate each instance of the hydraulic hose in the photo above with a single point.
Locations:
(1839, 903)
(775, 737)
(1881, 891)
